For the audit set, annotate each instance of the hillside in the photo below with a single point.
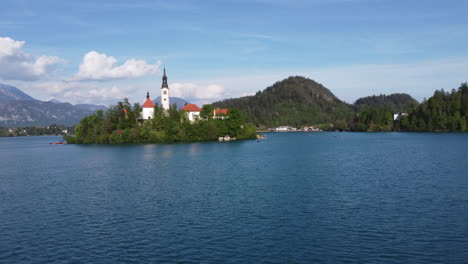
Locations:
(397, 102)
(293, 101)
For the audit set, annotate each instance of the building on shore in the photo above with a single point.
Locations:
(147, 108)
(398, 116)
(282, 129)
(220, 113)
(193, 112)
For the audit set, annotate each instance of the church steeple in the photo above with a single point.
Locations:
(165, 92)
(164, 80)
(147, 95)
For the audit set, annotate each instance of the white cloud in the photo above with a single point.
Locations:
(99, 66)
(196, 91)
(18, 65)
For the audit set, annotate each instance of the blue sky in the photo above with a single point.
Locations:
(100, 51)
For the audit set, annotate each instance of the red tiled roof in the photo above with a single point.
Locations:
(148, 104)
(220, 111)
(191, 108)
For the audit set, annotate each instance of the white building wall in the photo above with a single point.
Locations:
(147, 113)
(192, 116)
(165, 98)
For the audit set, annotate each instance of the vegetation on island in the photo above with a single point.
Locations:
(122, 124)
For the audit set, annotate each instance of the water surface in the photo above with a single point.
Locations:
(292, 198)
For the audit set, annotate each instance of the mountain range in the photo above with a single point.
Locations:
(19, 109)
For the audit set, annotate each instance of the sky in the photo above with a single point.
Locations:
(102, 51)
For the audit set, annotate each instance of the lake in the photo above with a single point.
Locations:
(321, 197)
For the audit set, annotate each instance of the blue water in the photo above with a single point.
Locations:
(292, 198)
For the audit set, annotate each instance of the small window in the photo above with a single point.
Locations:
(149, 117)
(165, 92)
(164, 99)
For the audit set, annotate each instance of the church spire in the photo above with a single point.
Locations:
(147, 95)
(164, 80)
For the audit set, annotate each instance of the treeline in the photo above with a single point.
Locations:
(122, 124)
(298, 101)
(35, 131)
(397, 102)
(444, 111)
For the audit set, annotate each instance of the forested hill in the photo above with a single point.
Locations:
(293, 101)
(397, 102)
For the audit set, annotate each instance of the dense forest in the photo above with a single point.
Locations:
(298, 101)
(294, 101)
(397, 102)
(444, 111)
(122, 124)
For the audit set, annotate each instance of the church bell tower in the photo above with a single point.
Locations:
(165, 92)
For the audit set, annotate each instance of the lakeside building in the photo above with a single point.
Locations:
(148, 106)
(282, 129)
(220, 113)
(193, 112)
(398, 116)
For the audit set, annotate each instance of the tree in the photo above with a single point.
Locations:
(207, 111)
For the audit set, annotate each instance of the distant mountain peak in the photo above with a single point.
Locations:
(55, 101)
(11, 93)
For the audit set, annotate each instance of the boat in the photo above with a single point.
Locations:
(56, 143)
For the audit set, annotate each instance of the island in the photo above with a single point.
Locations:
(123, 123)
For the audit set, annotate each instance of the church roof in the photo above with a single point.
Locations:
(148, 103)
(191, 108)
(220, 111)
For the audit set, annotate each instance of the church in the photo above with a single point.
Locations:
(148, 106)
(147, 112)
